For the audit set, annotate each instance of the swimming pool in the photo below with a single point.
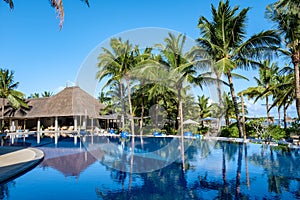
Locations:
(209, 170)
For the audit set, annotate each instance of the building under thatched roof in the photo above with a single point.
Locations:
(71, 102)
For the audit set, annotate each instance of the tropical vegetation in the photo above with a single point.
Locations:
(8, 93)
(151, 88)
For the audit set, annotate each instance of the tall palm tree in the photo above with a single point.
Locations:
(267, 78)
(8, 91)
(224, 39)
(180, 66)
(57, 4)
(140, 59)
(285, 14)
(113, 65)
(116, 65)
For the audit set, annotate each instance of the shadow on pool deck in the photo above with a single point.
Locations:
(15, 162)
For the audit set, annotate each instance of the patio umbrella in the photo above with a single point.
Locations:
(208, 119)
(189, 121)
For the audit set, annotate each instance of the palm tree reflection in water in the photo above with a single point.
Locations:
(198, 177)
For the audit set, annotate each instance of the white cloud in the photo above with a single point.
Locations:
(258, 109)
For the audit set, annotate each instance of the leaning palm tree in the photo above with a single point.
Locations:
(224, 39)
(8, 91)
(285, 14)
(57, 4)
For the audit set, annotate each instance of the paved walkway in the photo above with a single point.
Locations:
(17, 162)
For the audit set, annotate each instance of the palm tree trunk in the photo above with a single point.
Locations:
(182, 138)
(295, 60)
(2, 123)
(123, 106)
(284, 115)
(220, 101)
(130, 108)
(235, 104)
(142, 114)
(243, 117)
(267, 107)
(279, 116)
(227, 121)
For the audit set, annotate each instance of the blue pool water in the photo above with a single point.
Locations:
(209, 170)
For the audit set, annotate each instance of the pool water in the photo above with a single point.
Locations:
(209, 170)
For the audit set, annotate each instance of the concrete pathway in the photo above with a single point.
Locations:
(15, 163)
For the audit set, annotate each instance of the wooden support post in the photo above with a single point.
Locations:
(56, 130)
(38, 138)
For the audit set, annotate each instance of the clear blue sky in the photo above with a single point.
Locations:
(45, 58)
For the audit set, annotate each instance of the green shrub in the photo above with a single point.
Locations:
(275, 132)
(230, 131)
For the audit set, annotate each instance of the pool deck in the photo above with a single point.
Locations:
(18, 162)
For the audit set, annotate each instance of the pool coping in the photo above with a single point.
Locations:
(19, 162)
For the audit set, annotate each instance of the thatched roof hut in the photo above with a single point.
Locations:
(72, 101)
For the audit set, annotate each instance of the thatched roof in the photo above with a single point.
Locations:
(72, 101)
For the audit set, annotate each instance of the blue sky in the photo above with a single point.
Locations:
(45, 58)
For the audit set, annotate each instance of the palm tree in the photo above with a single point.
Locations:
(34, 96)
(228, 108)
(57, 4)
(204, 107)
(111, 65)
(224, 40)
(267, 78)
(285, 13)
(117, 65)
(140, 59)
(47, 94)
(8, 91)
(284, 94)
(181, 68)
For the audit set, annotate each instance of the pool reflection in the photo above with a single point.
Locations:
(209, 170)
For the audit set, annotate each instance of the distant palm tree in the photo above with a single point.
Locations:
(285, 13)
(8, 91)
(103, 98)
(34, 96)
(283, 94)
(204, 107)
(267, 78)
(57, 4)
(47, 94)
(224, 40)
